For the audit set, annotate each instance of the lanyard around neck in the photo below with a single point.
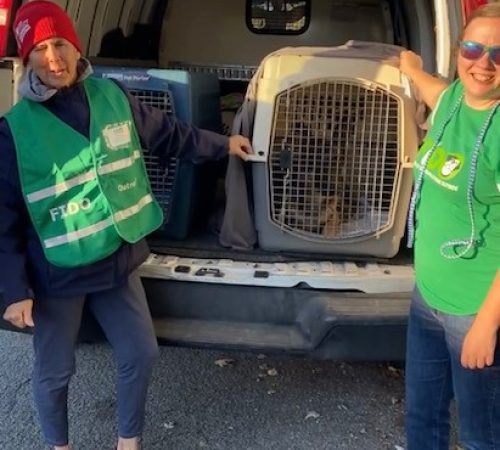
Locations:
(455, 248)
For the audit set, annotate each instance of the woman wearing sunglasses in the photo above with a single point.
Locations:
(454, 319)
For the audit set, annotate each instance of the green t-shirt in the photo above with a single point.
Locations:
(458, 286)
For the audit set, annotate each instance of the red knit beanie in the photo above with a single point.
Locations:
(38, 20)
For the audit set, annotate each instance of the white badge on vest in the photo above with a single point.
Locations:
(117, 135)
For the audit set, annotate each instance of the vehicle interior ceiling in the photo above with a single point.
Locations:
(218, 39)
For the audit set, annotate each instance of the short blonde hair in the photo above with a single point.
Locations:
(491, 10)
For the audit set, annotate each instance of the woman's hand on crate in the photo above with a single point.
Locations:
(240, 146)
(429, 87)
(410, 62)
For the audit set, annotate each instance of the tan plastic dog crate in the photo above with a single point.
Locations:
(337, 138)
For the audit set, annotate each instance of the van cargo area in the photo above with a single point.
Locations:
(320, 266)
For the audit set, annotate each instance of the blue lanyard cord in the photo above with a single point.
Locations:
(451, 245)
(470, 243)
(421, 171)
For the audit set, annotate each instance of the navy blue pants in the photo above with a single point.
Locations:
(124, 316)
(434, 376)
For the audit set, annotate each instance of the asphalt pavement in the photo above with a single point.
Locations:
(205, 399)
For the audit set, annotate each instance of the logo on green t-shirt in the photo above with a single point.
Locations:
(451, 166)
(443, 165)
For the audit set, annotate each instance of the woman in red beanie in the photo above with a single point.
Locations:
(75, 206)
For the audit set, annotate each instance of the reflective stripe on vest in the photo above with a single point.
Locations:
(120, 215)
(82, 179)
(84, 196)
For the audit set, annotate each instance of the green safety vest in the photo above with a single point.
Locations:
(84, 196)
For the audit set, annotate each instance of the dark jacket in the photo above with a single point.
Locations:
(25, 272)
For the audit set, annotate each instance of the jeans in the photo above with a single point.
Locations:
(124, 316)
(434, 376)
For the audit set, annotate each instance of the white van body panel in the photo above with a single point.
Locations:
(448, 28)
(371, 278)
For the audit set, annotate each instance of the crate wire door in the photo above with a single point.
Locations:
(334, 159)
(162, 179)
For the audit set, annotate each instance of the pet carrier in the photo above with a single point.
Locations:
(336, 139)
(192, 98)
(11, 70)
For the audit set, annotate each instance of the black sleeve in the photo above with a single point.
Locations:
(13, 224)
(165, 136)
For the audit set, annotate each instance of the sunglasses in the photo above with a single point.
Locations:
(474, 50)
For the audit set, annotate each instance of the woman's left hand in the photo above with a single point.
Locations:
(240, 146)
(478, 349)
(410, 62)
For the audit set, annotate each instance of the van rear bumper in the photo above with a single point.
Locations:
(299, 320)
(318, 323)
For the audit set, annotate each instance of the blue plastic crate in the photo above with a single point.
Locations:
(192, 98)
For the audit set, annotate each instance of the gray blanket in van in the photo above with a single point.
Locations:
(237, 230)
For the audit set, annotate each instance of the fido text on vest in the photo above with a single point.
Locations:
(70, 209)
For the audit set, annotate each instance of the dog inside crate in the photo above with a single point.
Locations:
(332, 161)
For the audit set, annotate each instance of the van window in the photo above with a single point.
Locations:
(278, 16)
